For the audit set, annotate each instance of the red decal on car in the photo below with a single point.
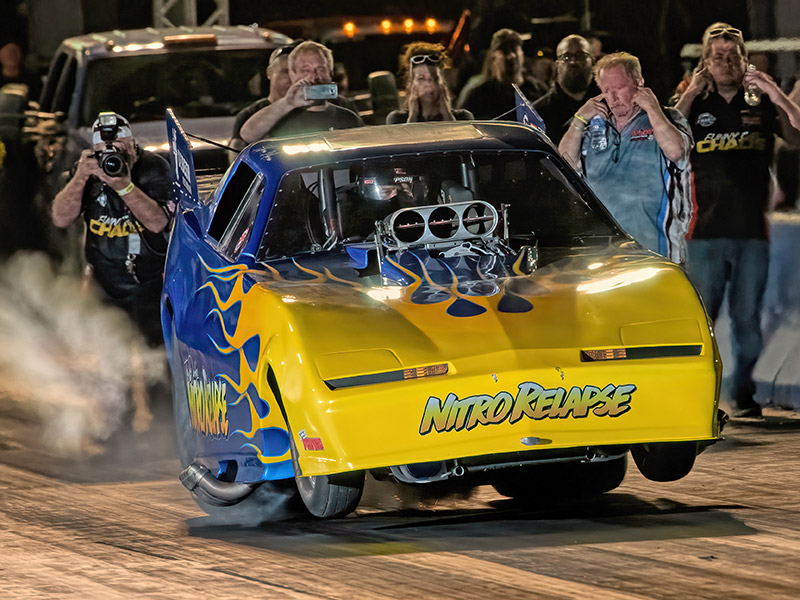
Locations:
(313, 444)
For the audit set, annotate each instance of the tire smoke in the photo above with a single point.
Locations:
(66, 355)
(270, 502)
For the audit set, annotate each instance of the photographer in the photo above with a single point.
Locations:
(124, 194)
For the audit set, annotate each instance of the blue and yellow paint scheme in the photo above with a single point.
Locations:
(433, 358)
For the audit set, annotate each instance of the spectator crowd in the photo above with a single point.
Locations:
(691, 182)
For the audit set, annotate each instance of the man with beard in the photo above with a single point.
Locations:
(571, 89)
(641, 173)
(494, 96)
(735, 133)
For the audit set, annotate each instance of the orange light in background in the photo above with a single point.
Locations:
(386, 26)
(408, 25)
(431, 25)
(349, 29)
(540, 53)
(466, 47)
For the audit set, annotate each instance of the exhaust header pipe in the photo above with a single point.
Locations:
(198, 479)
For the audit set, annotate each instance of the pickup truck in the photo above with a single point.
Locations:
(204, 74)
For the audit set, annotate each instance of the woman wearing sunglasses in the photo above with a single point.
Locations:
(427, 97)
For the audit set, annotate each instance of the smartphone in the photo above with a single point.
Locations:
(321, 91)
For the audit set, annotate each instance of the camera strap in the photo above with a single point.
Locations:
(134, 248)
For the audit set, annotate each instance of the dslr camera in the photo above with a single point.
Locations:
(114, 162)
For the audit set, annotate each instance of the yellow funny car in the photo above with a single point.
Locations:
(432, 303)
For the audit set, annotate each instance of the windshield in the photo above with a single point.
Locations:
(194, 83)
(318, 208)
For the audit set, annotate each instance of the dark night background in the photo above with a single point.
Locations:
(654, 30)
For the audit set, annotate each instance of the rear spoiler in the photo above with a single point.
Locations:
(184, 178)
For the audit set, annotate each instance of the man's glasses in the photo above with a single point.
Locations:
(718, 31)
(420, 59)
(576, 57)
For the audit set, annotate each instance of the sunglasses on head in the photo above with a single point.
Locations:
(433, 59)
(718, 31)
(278, 52)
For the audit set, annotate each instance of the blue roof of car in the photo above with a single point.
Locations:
(385, 140)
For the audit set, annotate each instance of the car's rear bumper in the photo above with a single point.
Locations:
(492, 412)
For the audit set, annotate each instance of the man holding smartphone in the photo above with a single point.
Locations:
(735, 113)
(305, 108)
(641, 170)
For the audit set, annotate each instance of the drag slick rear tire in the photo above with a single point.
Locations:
(664, 461)
(561, 480)
(328, 496)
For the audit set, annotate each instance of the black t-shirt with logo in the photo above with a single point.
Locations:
(731, 160)
(123, 254)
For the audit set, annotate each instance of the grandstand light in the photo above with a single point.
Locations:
(349, 29)
(386, 26)
(431, 25)
(408, 25)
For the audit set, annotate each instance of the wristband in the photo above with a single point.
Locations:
(580, 118)
(126, 191)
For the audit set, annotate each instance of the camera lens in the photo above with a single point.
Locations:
(114, 165)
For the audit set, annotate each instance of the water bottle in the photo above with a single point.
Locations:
(752, 96)
(597, 133)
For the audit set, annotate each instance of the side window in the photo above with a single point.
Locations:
(66, 86)
(49, 90)
(241, 226)
(232, 198)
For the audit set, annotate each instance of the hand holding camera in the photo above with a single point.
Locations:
(321, 91)
(112, 161)
(303, 93)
